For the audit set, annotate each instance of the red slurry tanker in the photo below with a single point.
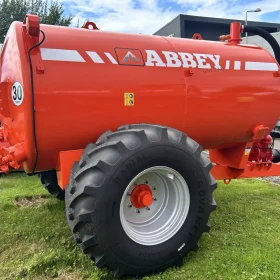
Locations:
(120, 121)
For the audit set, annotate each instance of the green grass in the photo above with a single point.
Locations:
(244, 243)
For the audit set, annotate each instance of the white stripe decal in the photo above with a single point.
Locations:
(61, 55)
(111, 58)
(227, 64)
(237, 65)
(95, 57)
(261, 66)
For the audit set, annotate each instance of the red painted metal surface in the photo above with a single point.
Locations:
(64, 166)
(202, 88)
(234, 157)
(32, 25)
(90, 26)
(235, 30)
(197, 36)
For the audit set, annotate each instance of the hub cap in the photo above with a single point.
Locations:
(141, 196)
(154, 205)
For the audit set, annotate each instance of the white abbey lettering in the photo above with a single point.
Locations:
(153, 59)
(188, 60)
(215, 59)
(172, 59)
(201, 61)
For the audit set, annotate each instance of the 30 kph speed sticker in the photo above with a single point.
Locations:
(17, 94)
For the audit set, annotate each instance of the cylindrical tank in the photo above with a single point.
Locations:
(89, 81)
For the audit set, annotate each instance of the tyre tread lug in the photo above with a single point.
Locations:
(100, 262)
(84, 158)
(194, 247)
(183, 140)
(207, 227)
(213, 205)
(102, 139)
(89, 242)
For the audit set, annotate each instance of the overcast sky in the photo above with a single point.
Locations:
(146, 17)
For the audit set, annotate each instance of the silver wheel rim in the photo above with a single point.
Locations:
(167, 213)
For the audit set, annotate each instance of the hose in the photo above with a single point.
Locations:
(33, 101)
(267, 36)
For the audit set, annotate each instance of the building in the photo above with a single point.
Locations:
(185, 26)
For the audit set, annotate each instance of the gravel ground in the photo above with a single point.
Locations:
(274, 179)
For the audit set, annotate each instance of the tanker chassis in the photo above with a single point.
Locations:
(116, 125)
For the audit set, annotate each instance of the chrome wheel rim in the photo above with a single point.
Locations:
(167, 213)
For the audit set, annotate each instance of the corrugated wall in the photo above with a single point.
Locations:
(172, 29)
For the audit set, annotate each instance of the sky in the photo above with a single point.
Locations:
(146, 17)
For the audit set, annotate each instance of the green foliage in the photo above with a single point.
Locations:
(15, 10)
(243, 244)
(54, 15)
(11, 10)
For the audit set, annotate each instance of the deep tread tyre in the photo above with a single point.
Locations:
(50, 183)
(93, 209)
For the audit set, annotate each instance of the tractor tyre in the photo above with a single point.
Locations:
(140, 199)
(50, 183)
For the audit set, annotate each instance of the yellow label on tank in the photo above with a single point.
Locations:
(128, 99)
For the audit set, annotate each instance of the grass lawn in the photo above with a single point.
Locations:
(244, 243)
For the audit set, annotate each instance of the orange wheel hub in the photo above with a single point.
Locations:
(141, 196)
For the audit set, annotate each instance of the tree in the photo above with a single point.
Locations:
(11, 10)
(54, 14)
(15, 10)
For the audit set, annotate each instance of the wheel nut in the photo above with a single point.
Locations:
(129, 194)
(129, 205)
(137, 211)
(154, 198)
(146, 182)
(154, 188)
(148, 208)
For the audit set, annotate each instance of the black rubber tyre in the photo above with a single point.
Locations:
(98, 182)
(49, 181)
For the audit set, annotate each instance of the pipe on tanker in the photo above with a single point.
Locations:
(267, 36)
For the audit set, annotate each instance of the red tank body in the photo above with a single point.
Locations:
(85, 80)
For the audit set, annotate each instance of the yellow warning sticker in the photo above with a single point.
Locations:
(128, 99)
